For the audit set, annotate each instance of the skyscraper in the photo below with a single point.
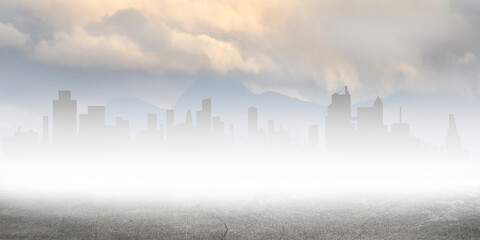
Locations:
(230, 131)
(45, 129)
(252, 123)
(204, 117)
(313, 137)
(338, 126)
(189, 119)
(207, 109)
(170, 124)
(453, 143)
(271, 125)
(64, 118)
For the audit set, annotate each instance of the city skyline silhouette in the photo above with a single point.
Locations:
(364, 135)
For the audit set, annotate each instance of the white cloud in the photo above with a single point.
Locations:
(341, 74)
(11, 37)
(79, 49)
(381, 45)
(219, 56)
(141, 44)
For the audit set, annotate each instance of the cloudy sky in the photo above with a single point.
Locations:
(305, 49)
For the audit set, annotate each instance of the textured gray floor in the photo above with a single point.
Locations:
(409, 217)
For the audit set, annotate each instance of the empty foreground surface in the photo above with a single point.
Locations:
(456, 216)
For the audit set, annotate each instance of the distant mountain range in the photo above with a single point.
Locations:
(230, 101)
(133, 109)
(427, 113)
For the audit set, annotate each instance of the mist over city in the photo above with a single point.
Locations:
(239, 119)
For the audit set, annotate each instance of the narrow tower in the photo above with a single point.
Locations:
(453, 142)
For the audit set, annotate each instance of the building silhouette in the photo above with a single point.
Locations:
(121, 130)
(204, 117)
(218, 127)
(279, 137)
(152, 122)
(400, 141)
(189, 119)
(371, 134)
(400, 130)
(46, 129)
(270, 130)
(64, 118)
(183, 132)
(153, 135)
(92, 124)
(339, 129)
(170, 122)
(369, 137)
(313, 135)
(370, 119)
(22, 143)
(453, 147)
(252, 124)
(231, 132)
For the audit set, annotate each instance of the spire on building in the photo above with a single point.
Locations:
(378, 103)
(189, 120)
(453, 141)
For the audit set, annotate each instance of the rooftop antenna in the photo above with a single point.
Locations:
(344, 88)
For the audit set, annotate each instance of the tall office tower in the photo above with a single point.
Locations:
(313, 136)
(204, 117)
(231, 131)
(152, 122)
(453, 142)
(207, 109)
(271, 125)
(64, 118)
(45, 129)
(338, 126)
(170, 124)
(252, 123)
(370, 119)
(92, 124)
(189, 119)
